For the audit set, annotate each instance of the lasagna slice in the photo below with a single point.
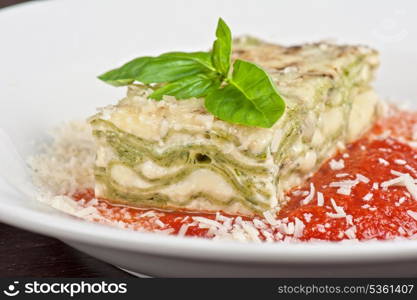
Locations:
(175, 155)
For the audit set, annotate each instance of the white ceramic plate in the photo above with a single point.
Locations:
(51, 52)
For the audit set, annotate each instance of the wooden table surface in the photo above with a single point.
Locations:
(26, 254)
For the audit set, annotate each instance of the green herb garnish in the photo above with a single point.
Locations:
(246, 95)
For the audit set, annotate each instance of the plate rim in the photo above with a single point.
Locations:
(81, 231)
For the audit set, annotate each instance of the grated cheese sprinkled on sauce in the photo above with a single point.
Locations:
(320, 199)
(412, 214)
(337, 164)
(383, 161)
(368, 197)
(400, 162)
(310, 196)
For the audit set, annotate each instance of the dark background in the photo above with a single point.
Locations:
(4, 3)
(26, 254)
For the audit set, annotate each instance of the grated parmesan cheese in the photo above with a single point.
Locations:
(351, 233)
(310, 196)
(400, 162)
(183, 229)
(368, 197)
(270, 218)
(320, 199)
(410, 169)
(340, 212)
(401, 231)
(342, 175)
(337, 164)
(404, 179)
(73, 150)
(298, 228)
(290, 228)
(160, 223)
(349, 219)
(307, 217)
(412, 214)
(362, 178)
(383, 162)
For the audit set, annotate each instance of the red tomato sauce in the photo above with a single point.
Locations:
(365, 210)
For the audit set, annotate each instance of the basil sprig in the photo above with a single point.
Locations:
(246, 95)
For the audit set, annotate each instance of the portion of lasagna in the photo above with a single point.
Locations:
(173, 154)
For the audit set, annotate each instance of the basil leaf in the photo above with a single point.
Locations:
(173, 66)
(125, 74)
(250, 98)
(193, 86)
(203, 58)
(222, 48)
(164, 68)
